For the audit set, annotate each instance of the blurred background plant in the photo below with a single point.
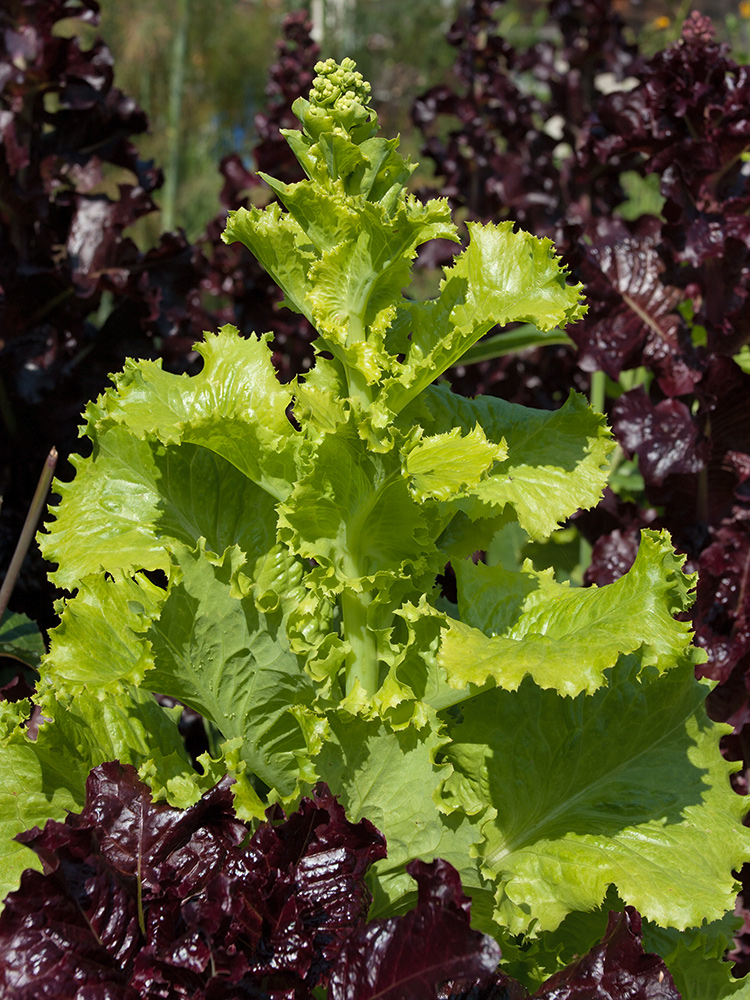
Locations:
(199, 70)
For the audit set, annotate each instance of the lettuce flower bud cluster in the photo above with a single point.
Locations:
(338, 103)
(339, 85)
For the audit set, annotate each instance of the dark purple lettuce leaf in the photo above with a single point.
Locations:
(616, 969)
(414, 954)
(632, 318)
(722, 609)
(311, 869)
(49, 950)
(143, 900)
(663, 435)
(497, 987)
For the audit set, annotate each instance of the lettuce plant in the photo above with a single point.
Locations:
(267, 555)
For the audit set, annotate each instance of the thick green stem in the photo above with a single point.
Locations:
(359, 388)
(362, 660)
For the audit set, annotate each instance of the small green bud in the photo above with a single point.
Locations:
(338, 103)
(338, 84)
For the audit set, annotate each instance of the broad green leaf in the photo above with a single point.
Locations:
(556, 460)
(320, 405)
(99, 724)
(514, 277)
(414, 680)
(391, 778)
(385, 173)
(600, 790)
(517, 625)
(431, 344)
(133, 498)
(227, 660)
(20, 639)
(235, 407)
(501, 277)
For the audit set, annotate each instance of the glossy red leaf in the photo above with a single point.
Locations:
(414, 954)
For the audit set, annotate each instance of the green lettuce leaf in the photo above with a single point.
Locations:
(514, 277)
(392, 778)
(235, 407)
(601, 790)
(444, 466)
(134, 497)
(517, 625)
(216, 652)
(280, 245)
(556, 461)
(100, 640)
(501, 277)
(27, 796)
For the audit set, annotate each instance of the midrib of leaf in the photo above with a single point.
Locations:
(641, 313)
